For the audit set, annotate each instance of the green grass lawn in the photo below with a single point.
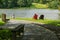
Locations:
(1, 22)
(51, 22)
(40, 6)
(46, 21)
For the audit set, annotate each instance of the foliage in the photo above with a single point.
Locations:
(53, 4)
(24, 3)
(14, 3)
(27, 3)
(5, 34)
(37, 5)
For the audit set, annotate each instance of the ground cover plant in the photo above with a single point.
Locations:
(5, 34)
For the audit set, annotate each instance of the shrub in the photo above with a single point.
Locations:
(53, 5)
(5, 34)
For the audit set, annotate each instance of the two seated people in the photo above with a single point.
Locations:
(40, 17)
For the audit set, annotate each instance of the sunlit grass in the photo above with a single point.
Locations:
(46, 21)
(37, 5)
(1, 22)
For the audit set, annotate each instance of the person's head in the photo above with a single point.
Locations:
(35, 14)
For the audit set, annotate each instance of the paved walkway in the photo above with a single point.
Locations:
(35, 32)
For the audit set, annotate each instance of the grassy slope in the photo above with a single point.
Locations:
(52, 22)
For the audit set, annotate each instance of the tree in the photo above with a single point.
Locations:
(35, 1)
(27, 3)
(5, 3)
(13, 3)
(53, 4)
(1, 4)
(24, 3)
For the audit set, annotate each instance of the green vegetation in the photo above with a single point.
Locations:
(0, 16)
(53, 4)
(1, 22)
(37, 5)
(5, 34)
(51, 22)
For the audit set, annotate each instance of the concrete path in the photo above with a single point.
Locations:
(34, 32)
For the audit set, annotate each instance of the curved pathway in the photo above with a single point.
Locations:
(35, 32)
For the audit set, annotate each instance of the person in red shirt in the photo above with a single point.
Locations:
(35, 16)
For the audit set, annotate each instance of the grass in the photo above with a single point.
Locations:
(46, 21)
(37, 5)
(1, 22)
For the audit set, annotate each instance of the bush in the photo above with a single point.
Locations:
(5, 34)
(53, 5)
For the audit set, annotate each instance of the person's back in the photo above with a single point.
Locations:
(35, 16)
(41, 17)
